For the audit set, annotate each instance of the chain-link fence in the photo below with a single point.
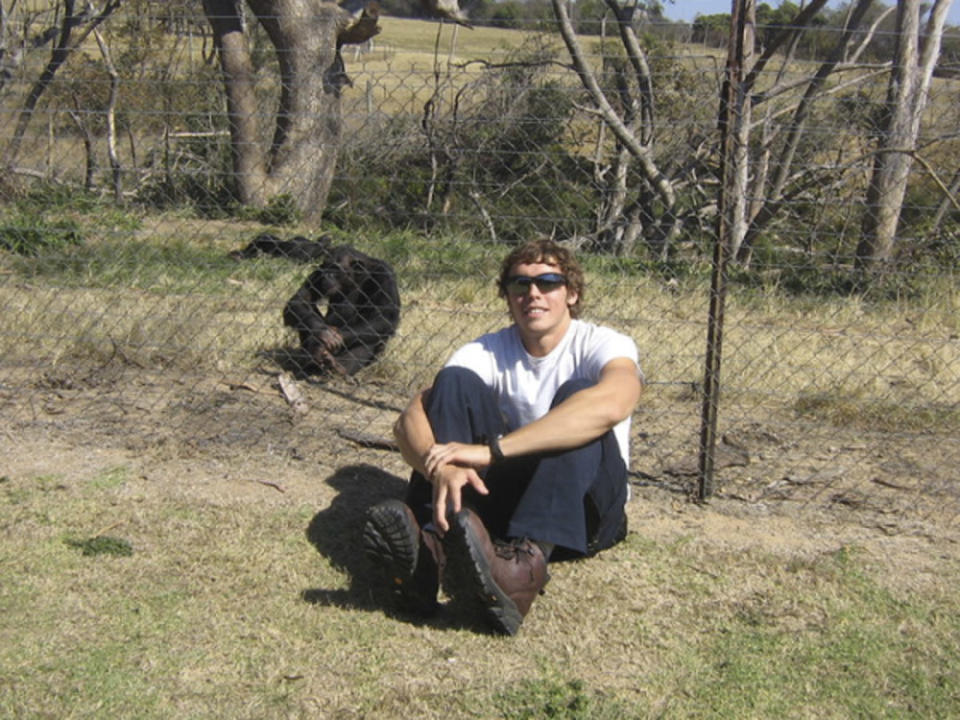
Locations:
(129, 317)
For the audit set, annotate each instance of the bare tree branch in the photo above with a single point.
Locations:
(66, 44)
(783, 166)
(637, 149)
(668, 225)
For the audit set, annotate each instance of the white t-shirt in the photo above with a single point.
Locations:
(525, 385)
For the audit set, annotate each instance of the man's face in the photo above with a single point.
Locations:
(540, 310)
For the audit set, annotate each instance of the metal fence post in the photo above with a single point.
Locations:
(729, 120)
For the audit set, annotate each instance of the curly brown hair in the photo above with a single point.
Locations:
(550, 252)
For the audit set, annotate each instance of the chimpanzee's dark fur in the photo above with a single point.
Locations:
(296, 248)
(360, 294)
(362, 310)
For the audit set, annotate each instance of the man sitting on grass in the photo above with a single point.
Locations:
(518, 450)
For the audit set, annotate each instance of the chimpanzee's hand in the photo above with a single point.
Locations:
(331, 338)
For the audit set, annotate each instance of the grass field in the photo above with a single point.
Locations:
(226, 607)
(177, 541)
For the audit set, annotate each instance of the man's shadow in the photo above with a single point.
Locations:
(337, 532)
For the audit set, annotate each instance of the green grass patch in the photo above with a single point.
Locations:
(110, 478)
(551, 697)
(860, 409)
(866, 652)
(31, 238)
(51, 220)
(175, 267)
(103, 545)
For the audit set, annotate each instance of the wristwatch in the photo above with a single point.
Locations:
(495, 451)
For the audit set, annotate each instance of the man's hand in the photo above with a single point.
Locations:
(455, 453)
(448, 481)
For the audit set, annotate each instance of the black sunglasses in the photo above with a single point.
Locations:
(520, 284)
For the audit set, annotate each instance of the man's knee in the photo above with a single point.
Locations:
(569, 388)
(454, 386)
(457, 378)
(461, 408)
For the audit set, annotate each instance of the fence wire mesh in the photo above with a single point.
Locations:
(125, 319)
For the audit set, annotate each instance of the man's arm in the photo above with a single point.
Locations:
(413, 433)
(582, 417)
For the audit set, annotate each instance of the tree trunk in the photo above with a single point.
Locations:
(301, 159)
(90, 167)
(737, 181)
(116, 171)
(906, 99)
(249, 163)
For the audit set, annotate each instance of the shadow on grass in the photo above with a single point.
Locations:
(337, 534)
(295, 361)
(337, 531)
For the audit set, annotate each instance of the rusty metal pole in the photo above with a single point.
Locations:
(729, 122)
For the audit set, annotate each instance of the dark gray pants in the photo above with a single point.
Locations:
(572, 499)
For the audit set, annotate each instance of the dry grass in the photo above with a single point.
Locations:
(226, 609)
(778, 353)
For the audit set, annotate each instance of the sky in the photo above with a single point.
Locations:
(686, 10)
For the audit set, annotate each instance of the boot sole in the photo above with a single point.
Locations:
(468, 576)
(392, 544)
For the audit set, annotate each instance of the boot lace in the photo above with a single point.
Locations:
(513, 549)
(520, 550)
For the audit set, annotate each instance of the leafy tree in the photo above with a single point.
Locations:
(507, 14)
(712, 30)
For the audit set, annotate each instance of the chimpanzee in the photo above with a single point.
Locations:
(362, 310)
(296, 248)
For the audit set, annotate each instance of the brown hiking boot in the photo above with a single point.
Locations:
(411, 559)
(502, 577)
